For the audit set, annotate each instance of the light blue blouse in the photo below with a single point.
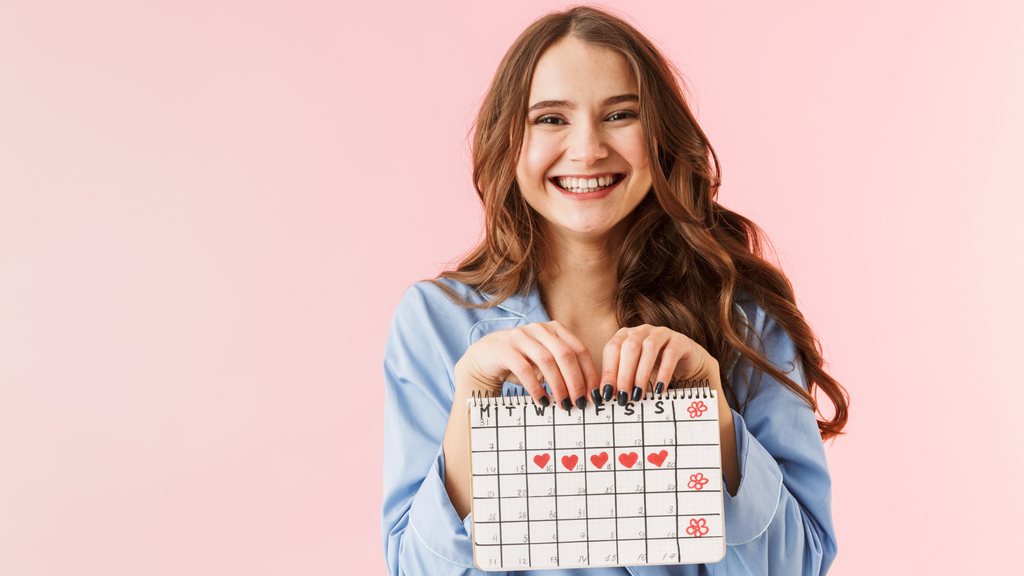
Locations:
(779, 522)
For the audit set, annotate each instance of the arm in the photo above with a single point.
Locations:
(422, 533)
(779, 520)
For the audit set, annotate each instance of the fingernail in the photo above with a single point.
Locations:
(596, 395)
(544, 401)
(566, 405)
(581, 402)
(623, 397)
(659, 388)
(609, 391)
(638, 393)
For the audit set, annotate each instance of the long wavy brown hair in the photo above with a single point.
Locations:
(685, 260)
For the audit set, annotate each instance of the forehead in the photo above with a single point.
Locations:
(578, 72)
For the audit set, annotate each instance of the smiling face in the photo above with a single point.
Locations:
(583, 166)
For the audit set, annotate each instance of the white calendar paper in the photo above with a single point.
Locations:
(608, 485)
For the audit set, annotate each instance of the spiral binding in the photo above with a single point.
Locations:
(520, 397)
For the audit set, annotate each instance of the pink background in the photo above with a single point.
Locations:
(208, 210)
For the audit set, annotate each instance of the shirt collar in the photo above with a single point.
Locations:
(527, 306)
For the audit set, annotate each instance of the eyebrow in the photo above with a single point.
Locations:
(572, 106)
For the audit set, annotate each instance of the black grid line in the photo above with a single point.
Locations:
(643, 448)
(675, 471)
(615, 484)
(586, 485)
(526, 483)
(554, 479)
(497, 486)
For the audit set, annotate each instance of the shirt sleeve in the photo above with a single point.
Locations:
(780, 520)
(422, 533)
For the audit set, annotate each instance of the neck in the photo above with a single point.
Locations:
(579, 280)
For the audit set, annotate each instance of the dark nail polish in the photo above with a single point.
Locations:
(659, 388)
(566, 404)
(609, 391)
(544, 401)
(581, 402)
(623, 398)
(638, 393)
(596, 395)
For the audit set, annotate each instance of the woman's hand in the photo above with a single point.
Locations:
(634, 355)
(529, 355)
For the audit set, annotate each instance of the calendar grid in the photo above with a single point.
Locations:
(607, 485)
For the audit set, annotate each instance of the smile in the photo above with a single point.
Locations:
(585, 185)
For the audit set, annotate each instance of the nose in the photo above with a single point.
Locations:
(586, 144)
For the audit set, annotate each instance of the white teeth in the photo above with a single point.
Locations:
(582, 185)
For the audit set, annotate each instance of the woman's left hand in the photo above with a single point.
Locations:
(638, 358)
(634, 355)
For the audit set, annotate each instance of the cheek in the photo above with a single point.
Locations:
(634, 151)
(536, 157)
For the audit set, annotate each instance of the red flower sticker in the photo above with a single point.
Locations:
(697, 528)
(697, 481)
(696, 409)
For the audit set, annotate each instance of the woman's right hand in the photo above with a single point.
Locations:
(529, 355)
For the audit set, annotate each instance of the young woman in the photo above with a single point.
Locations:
(607, 269)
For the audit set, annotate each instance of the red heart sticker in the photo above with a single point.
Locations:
(628, 460)
(657, 459)
(570, 461)
(542, 460)
(599, 460)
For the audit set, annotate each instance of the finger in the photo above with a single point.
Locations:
(524, 372)
(610, 365)
(564, 359)
(584, 362)
(694, 363)
(668, 361)
(651, 349)
(629, 357)
(541, 357)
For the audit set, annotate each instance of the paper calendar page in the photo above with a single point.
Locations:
(608, 485)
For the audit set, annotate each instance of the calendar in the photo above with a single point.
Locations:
(608, 485)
